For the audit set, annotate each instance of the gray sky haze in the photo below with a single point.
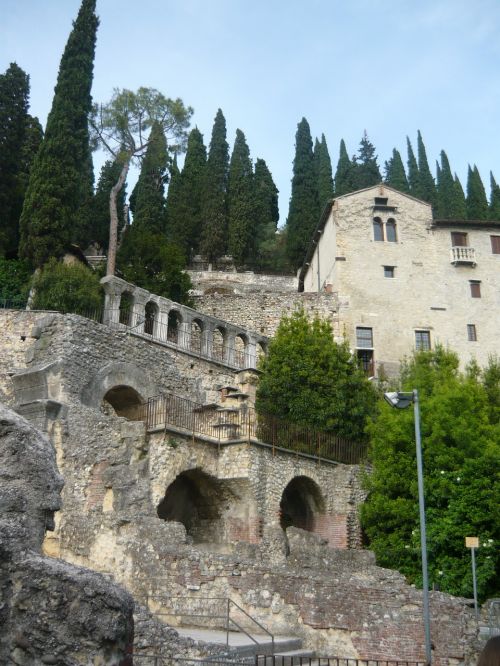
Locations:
(388, 66)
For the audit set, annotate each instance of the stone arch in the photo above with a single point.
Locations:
(125, 308)
(261, 351)
(196, 335)
(198, 501)
(301, 502)
(124, 401)
(151, 312)
(378, 229)
(174, 325)
(240, 349)
(391, 233)
(130, 384)
(219, 343)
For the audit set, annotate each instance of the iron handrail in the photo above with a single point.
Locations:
(230, 601)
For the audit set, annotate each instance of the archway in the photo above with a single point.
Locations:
(123, 401)
(174, 322)
(261, 352)
(197, 500)
(219, 343)
(150, 318)
(300, 502)
(126, 305)
(195, 342)
(240, 345)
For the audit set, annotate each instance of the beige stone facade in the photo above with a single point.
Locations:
(403, 280)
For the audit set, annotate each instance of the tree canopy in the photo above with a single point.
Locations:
(461, 458)
(309, 379)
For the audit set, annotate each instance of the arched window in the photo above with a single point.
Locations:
(390, 231)
(150, 318)
(378, 229)
(174, 322)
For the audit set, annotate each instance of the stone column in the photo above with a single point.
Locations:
(207, 341)
(164, 305)
(113, 289)
(229, 343)
(141, 297)
(250, 353)
(184, 331)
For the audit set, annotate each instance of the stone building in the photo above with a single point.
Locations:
(403, 280)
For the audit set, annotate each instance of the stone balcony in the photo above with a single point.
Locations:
(461, 255)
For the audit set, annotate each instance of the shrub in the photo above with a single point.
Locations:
(67, 288)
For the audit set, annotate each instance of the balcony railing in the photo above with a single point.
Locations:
(460, 254)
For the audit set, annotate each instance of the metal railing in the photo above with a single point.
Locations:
(282, 660)
(166, 660)
(236, 424)
(215, 613)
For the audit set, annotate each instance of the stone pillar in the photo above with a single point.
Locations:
(164, 305)
(207, 341)
(113, 289)
(229, 344)
(184, 331)
(141, 297)
(251, 353)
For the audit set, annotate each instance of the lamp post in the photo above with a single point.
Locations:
(401, 400)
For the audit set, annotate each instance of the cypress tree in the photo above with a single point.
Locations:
(426, 189)
(186, 210)
(344, 176)
(412, 170)
(494, 207)
(213, 240)
(461, 209)
(61, 184)
(149, 205)
(266, 211)
(395, 174)
(303, 210)
(447, 206)
(240, 201)
(324, 176)
(172, 203)
(476, 202)
(99, 229)
(366, 171)
(20, 136)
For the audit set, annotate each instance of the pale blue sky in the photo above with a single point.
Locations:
(388, 66)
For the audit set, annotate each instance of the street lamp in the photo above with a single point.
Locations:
(401, 400)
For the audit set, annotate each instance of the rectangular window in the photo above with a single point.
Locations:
(364, 337)
(458, 239)
(495, 244)
(365, 359)
(471, 333)
(422, 340)
(389, 271)
(381, 201)
(475, 288)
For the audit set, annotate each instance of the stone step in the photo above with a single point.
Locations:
(241, 643)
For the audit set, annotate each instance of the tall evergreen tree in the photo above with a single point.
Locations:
(185, 211)
(426, 188)
(303, 210)
(99, 229)
(461, 207)
(366, 171)
(344, 174)
(324, 176)
(20, 136)
(412, 170)
(266, 213)
(213, 240)
(172, 203)
(395, 174)
(447, 206)
(494, 207)
(476, 201)
(240, 201)
(61, 184)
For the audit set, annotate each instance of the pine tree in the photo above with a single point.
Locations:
(461, 207)
(99, 229)
(413, 180)
(213, 241)
(426, 188)
(20, 136)
(185, 211)
(366, 171)
(303, 211)
(323, 168)
(395, 174)
(476, 202)
(240, 201)
(447, 206)
(344, 174)
(494, 207)
(61, 184)
(149, 205)
(266, 211)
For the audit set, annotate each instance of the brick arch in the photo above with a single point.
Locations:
(301, 503)
(118, 376)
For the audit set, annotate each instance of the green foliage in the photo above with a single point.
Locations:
(149, 261)
(61, 184)
(309, 379)
(476, 202)
(213, 242)
(15, 276)
(344, 174)
(460, 200)
(494, 207)
(461, 456)
(303, 213)
(426, 187)
(395, 174)
(149, 204)
(99, 229)
(412, 170)
(66, 288)
(185, 200)
(323, 168)
(268, 251)
(366, 172)
(449, 202)
(240, 201)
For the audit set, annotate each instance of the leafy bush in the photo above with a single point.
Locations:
(67, 288)
(15, 277)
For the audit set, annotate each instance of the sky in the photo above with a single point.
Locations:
(390, 67)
